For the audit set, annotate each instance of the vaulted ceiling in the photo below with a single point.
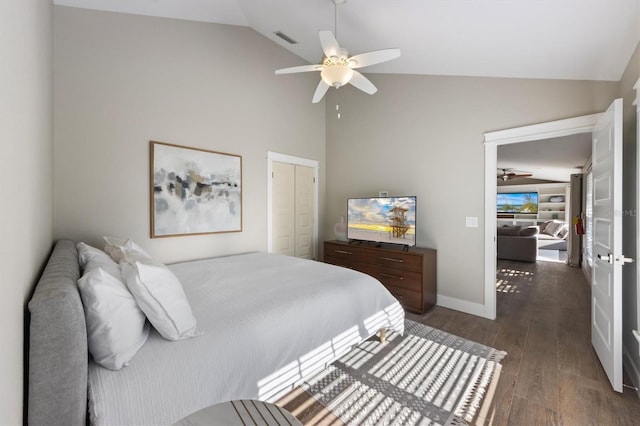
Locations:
(550, 39)
(556, 39)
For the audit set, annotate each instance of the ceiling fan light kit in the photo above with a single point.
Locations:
(338, 68)
(336, 75)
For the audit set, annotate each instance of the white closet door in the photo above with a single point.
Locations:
(283, 207)
(293, 209)
(304, 212)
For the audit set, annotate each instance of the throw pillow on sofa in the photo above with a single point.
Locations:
(563, 231)
(553, 227)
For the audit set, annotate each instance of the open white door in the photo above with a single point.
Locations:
(606, 285)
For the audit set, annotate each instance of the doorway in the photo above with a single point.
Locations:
(292, 206)
(553, 129)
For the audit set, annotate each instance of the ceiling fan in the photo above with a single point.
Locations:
(508, 174)
(338, 67)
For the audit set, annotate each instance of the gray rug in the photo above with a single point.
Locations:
(425, 377)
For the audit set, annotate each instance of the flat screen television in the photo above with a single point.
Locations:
(517, 202)
(382, 220)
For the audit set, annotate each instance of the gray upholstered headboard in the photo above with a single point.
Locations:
(58, 354)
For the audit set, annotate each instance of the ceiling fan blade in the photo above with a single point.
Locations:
(372, 58)
(330, 45)
(302, 68)
(320, 91)
(362, 83)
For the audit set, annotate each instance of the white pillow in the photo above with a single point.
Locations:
(161, 297)
(563, 231)
(126, 250)
(553, 228)
(91, 258)
(116, 327)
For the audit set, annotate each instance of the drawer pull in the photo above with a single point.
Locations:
(390, 259)
(343, 252)
(395, 277)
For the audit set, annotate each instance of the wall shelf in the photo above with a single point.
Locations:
(553, 199)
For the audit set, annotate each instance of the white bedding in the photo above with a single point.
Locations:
(268, 320)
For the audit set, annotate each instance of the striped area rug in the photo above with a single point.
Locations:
(425, 377)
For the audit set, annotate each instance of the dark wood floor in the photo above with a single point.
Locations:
(551, 375)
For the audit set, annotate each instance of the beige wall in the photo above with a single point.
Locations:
(423, 135)
(630, 217)
(123, 80)
(27, 195)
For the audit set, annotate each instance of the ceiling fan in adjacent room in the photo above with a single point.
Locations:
(507, 174)
(338, 67)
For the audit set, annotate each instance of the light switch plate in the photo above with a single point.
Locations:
(472, 222)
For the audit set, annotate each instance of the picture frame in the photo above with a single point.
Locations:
(194, 191)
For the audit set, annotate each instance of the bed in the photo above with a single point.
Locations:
(267, 321)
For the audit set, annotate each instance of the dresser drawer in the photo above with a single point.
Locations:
(398, 259)
(399, 278)
(347, 263)
(409, 275)
(346, 252)
(409, 299)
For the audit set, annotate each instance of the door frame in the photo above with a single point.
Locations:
(636, 332)
(530, 133)
(289, 159)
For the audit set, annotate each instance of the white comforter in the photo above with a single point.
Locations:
(268, 321)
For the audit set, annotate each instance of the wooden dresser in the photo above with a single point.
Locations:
(409, 275)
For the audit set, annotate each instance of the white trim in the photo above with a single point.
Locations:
(631, 368)
(461, 305)
(490, 249)
(289, 159)
(636, 102)
(552, 129)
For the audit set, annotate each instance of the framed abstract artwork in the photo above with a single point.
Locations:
(194, 191)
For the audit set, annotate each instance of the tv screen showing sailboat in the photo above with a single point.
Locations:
(382, 219)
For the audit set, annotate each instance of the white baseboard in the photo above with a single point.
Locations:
(461, 305)
(632, 369)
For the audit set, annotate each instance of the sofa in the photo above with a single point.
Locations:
(522, 243)
(517, 243)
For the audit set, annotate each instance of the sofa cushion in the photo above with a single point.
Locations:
(508, 230)
(517, 247)
(528, 231)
